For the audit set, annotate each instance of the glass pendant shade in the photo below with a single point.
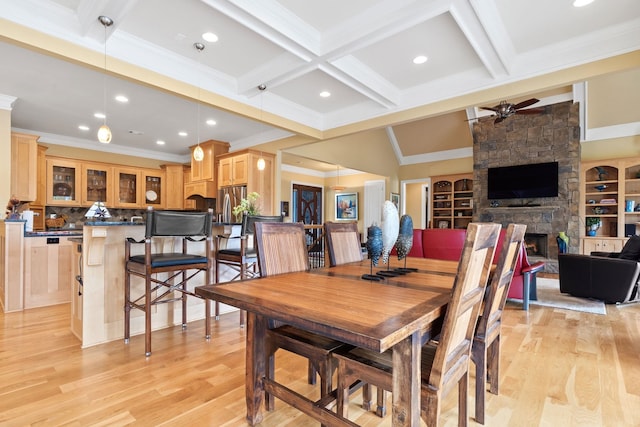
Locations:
(261, 164)
(104, 134)
(198, 154)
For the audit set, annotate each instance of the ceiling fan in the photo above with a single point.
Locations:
(506, 109)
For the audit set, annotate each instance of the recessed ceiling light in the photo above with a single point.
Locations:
(83, 127)
(122, 98)
(183, 133)
(325, 94)
(99, 116)
(580, 3)
(211, 122)
(210, 37)
(160, 142)
(420, 59)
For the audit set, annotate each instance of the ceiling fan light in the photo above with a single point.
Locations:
(261, 164)
(104, 134)
(198, 154)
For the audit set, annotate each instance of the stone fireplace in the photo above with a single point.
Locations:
(553, 135)
(536, 245)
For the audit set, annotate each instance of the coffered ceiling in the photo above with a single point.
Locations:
(361, 51)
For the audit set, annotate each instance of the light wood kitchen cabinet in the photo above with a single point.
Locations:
(47, 277)
(96, 184)
(128, 187)
(260, 181)
(205, 170)
(63, 182)
(154, 191)
(24, 166)
(12, 265)
(233, 170)
(38, 205)
(174, 184)
(189, 204)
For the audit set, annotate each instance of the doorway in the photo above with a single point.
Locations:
(307, 208)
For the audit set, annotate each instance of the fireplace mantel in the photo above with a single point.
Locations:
(545, 208)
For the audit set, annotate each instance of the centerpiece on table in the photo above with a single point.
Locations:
(248, 205)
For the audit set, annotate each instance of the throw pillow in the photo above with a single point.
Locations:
(631, 249)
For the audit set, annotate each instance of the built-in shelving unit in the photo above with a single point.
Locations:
(452, 201)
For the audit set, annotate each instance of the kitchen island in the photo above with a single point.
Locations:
(90, 262)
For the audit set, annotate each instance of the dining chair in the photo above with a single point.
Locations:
(445, 363)
(282, 249)
(485, 349)
(165, 269)
(241, 257)
(343, 242)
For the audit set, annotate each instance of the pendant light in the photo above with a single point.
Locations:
(261, 163)
(104, 133)
(198, 153)
(338, 187)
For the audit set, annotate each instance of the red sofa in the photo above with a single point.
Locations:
(447, 244)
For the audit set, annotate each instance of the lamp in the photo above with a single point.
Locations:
(261, 163)
(338, 187)
(104, 133)
(198, 153)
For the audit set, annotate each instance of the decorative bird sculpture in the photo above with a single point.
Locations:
(390, 229)
(374, 243)
(601, 173)
(405, 236)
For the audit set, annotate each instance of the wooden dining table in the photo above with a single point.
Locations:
(395, 312)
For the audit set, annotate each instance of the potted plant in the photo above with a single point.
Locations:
(593, 223)
(248, 205)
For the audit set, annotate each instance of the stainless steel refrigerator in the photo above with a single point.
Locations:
(229, 198)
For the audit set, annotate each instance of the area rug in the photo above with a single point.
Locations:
(549, 296)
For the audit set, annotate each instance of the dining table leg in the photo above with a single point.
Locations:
(406, 382)
(256, 367)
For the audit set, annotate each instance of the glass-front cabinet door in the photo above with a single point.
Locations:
(96, 184)
(154, 188)
(63, 182)
(128, 188)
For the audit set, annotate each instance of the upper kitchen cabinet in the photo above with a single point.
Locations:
(63, 182)
(205, 169)
(241, 168)
(128, 187)
(233, 170)
(96, 184)
(174, 184)
(24, 166)
(155, 188)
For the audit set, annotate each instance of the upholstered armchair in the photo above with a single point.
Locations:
(611, 277)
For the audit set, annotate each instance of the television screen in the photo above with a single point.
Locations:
(523, 181)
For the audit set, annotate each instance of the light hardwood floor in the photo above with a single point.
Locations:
(559, 368)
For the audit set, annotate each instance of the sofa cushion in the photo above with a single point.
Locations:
(443, 243)
(631, 249)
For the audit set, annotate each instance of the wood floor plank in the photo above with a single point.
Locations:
(557, 368)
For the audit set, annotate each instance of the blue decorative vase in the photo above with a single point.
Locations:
(374, 243)
(563, 242)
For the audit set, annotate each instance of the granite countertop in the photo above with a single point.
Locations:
(70, 232)
(111, 223)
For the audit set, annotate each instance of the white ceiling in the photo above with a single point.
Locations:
(359, 50)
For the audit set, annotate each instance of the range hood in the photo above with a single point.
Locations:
(205, 189)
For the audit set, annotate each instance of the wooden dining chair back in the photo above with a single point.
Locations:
(445, 363)
(343, 242)
(241, 257)
(282, 249)
(166, 272)
(485, 350)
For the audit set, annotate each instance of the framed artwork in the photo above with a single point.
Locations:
(395, 199)
(284, 208)
(346, 206)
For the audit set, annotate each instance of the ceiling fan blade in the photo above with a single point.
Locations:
(526, 103)
(498, 120)
(494, 109)
(531, 111)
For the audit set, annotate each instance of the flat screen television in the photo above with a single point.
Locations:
(523, 181)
